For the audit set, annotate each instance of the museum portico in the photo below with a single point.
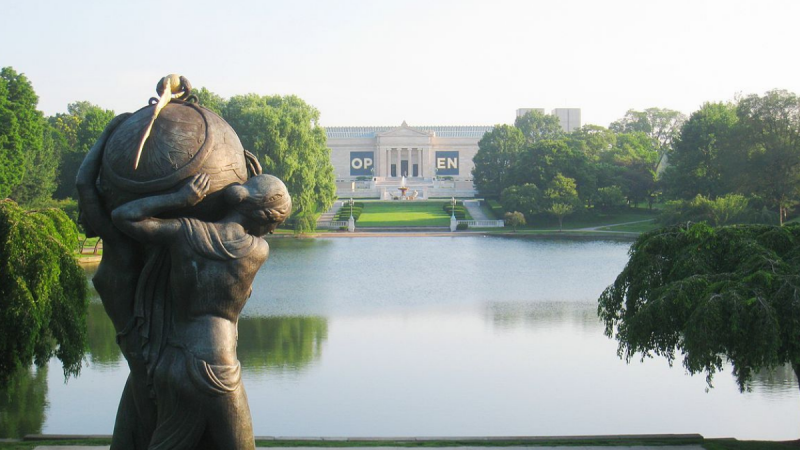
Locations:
(435, 161)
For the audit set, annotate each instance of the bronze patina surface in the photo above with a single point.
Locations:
(181, 232)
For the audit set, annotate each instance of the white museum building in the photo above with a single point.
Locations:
(430, 161)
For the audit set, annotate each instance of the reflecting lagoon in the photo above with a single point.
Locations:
(430, 336)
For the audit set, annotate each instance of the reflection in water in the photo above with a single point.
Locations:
(776, 382)
(101, 338)
(555, 315)
(100, 334)
(280, 343)
(23, 403)
(507, 316)
(265, 343)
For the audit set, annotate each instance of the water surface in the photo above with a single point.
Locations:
(437, 336)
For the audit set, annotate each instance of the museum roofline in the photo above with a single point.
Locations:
(444, 131)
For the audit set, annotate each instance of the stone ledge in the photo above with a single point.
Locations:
(405, 439)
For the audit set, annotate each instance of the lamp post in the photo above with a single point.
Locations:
(453, 221)
(351, 222)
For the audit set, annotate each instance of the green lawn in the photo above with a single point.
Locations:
(404, 214)
(601, 220)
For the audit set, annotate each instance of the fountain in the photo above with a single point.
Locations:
(403, 188)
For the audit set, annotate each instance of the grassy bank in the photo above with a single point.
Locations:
(611, 220)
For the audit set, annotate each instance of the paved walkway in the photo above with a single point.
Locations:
(598, 228)
(473, 206)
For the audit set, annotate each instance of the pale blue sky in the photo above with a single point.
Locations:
(431, 62)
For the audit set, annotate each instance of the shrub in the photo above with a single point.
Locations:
(514, 219)
(609, 197)
(448, 206)
(462, 226)
(344, 211)
(731, 208)
(460, 212)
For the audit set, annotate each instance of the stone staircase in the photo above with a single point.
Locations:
(328, 216)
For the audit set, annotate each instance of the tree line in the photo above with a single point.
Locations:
(40, 156)
(736, 161)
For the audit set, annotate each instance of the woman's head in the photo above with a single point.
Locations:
(263, 199)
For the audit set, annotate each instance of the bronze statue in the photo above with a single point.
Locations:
(181, 248)
(115, 280)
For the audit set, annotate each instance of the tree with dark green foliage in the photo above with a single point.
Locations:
(41, 181)
(770, 132)
(702, 159)
(284, 133)
(539, 163)
(79, 129)
(497, 154)
(27, 165)
(11, 152)
(710, 295)
(526, 199)
(43, 291)
(635, 160)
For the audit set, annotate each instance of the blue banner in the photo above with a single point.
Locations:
(446, 163)
(362, 163)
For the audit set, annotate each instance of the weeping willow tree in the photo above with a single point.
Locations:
(43, 291)
(710, 295)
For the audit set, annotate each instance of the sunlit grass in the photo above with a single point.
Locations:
(404, 214)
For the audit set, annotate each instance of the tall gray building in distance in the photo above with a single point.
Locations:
(432, 161)
(570, 118)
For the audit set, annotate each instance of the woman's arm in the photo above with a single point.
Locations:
(93, 213)
(137, 218)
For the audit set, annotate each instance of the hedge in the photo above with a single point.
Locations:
(496, 208)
